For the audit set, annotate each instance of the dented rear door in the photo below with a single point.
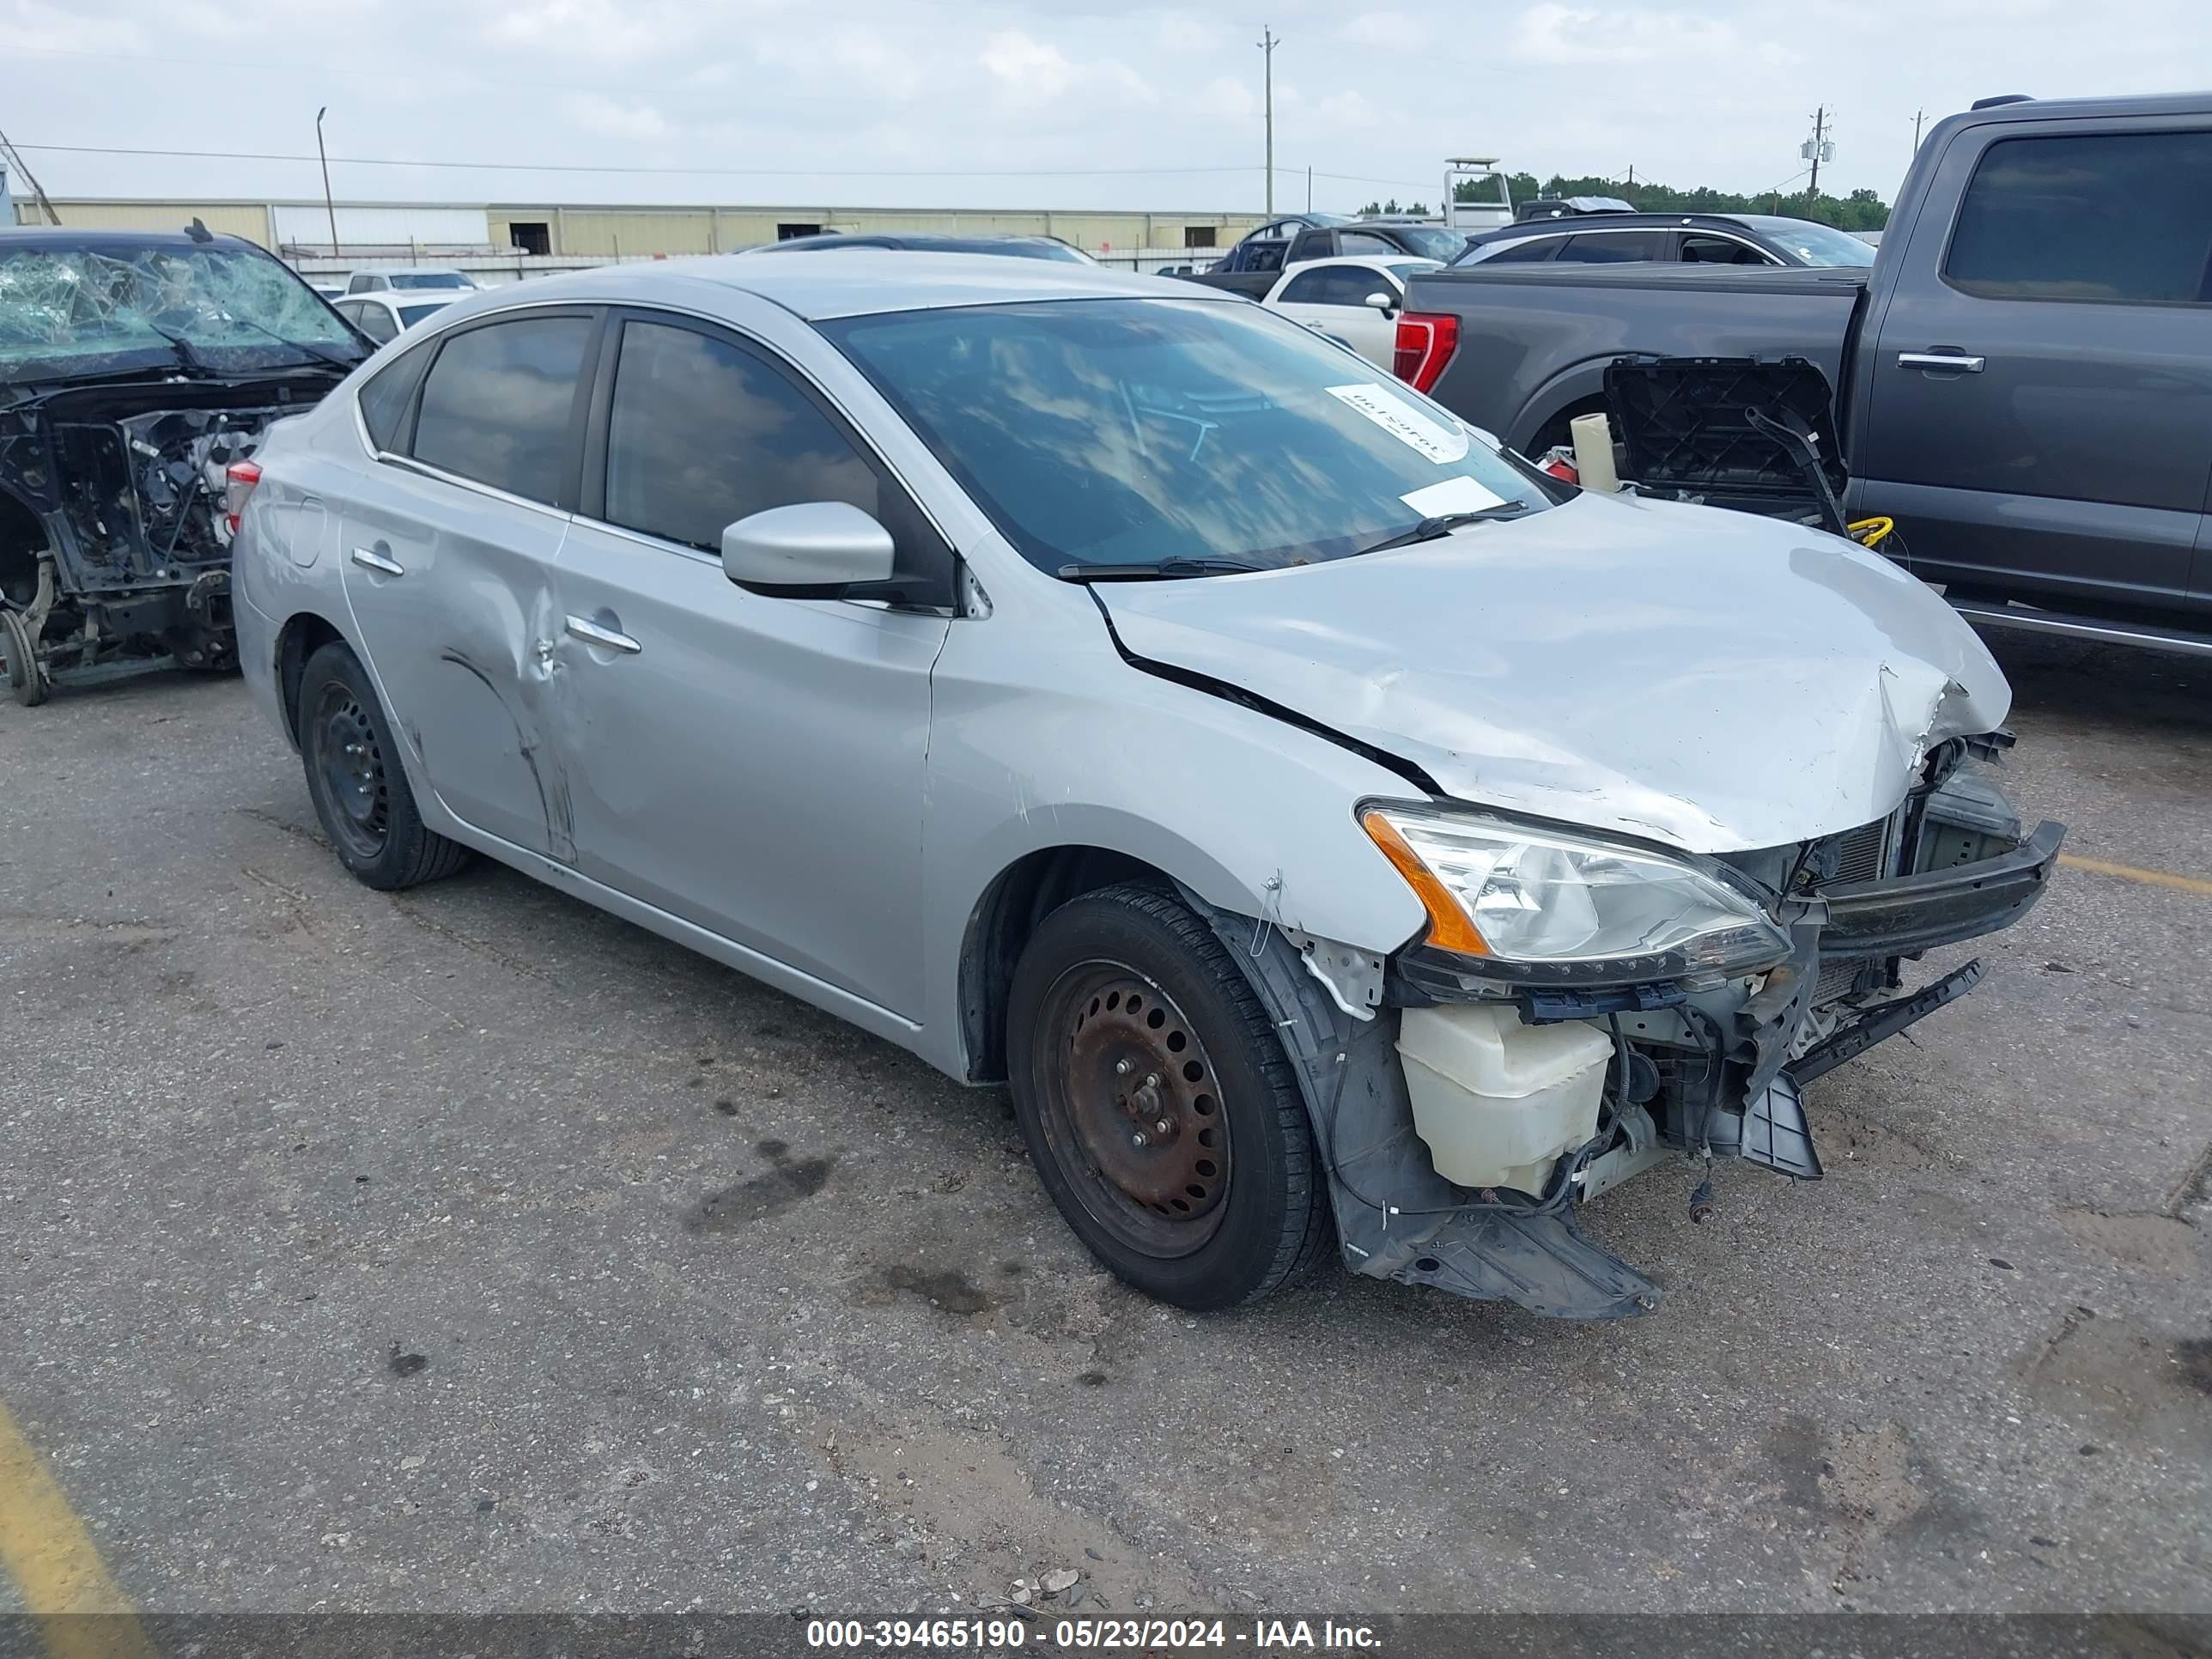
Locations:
(448, 556)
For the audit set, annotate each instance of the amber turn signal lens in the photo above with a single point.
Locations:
(1449, 929)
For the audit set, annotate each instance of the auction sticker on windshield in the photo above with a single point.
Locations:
(1460, 495)
(1408, 425)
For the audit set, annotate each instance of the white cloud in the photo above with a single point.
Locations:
(852, 62)
(1030, 74)
(1567, 35)
(32, 27)
(1225, 95)
(1028, 69)
(596, 113)
(600, 30)
(1380, 28)
(1348, 109)
(1180, 32)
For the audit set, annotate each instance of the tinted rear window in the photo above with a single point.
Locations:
(384, 400)
(2115, 216)
(496, 406)
(1614, 247)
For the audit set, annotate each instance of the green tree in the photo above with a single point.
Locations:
(1862, 209)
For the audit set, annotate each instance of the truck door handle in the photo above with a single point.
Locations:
(371, 560)
(1951, 361)
(606, 638)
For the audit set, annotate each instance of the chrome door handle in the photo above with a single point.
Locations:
(1956, 364)
(591, 634)
(378, 562)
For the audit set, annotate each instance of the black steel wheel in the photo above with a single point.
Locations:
(356, 781)
(351, 763)
(1132, 1114)
(1158, 1104)
(26, 678)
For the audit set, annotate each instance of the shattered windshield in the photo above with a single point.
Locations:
(1130, 432)
(67, 312)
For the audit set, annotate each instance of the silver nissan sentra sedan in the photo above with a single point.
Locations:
(1329, 827)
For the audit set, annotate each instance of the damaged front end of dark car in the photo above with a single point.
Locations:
(138, 375)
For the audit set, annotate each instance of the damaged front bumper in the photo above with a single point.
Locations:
(1671, 1070)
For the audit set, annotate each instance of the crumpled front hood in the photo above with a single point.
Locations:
(1709, 679)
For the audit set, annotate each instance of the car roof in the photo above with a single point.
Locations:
(71, 238)
(1365, 261)
(858, 282)
(913, 241)
(1568, 222)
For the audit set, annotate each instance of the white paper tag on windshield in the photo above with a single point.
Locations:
(1452, 496)
(1408, 425)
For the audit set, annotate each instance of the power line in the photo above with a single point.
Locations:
(570, 166)
(759, 173)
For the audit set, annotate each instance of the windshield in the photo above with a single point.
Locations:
(1429, 242)
(430, 279)
(1816, 244)
(411, 314)
(1133, 431)
(72, 310)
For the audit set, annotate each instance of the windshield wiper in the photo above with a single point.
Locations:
(1442, 524)
(190, 360)
(314, 352)
(1158, 570)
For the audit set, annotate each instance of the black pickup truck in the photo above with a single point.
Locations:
(2023, 379)
(1253, 266)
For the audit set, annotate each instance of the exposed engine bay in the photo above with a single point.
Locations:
(1465, 1118)
(135, 370)
(115, 547)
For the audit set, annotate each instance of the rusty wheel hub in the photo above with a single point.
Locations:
(1140, 1097)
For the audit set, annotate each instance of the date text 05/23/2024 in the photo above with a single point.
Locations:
(1258, 1635)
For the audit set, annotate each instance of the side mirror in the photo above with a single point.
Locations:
(809, 550)
(1385, 303)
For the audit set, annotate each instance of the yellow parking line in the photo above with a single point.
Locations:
(2129, 872)
(45, 1549)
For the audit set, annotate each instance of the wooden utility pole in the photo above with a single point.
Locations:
(1819, 131)
(13, 157)
(1917, 116)
(1268, 41)
(329, 207)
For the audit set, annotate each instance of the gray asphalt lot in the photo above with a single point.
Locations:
(468, 1249)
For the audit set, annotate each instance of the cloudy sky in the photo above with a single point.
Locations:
(1085, 103)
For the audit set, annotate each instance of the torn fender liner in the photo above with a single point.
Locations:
(1770, 1130)
(1546, 1263)
(1396, 1218)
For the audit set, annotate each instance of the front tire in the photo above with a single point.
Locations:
(1158, 1104)
(357, 783)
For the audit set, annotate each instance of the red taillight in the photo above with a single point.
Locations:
(238, 481)
(1425, 341)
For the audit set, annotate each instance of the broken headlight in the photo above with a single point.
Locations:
(1548, 905)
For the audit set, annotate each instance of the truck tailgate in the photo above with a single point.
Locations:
(1534, 340)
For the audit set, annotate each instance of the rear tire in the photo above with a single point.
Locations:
(1158, 1104)
(27, 676)
(357, 783)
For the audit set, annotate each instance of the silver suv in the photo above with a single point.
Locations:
(1328, 826)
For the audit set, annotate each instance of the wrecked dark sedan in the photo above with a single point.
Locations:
(1328, 826)
(137, 376)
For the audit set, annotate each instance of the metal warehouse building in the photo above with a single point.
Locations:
(563, 232)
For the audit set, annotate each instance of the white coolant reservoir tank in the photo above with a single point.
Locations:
(1497, 1101)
